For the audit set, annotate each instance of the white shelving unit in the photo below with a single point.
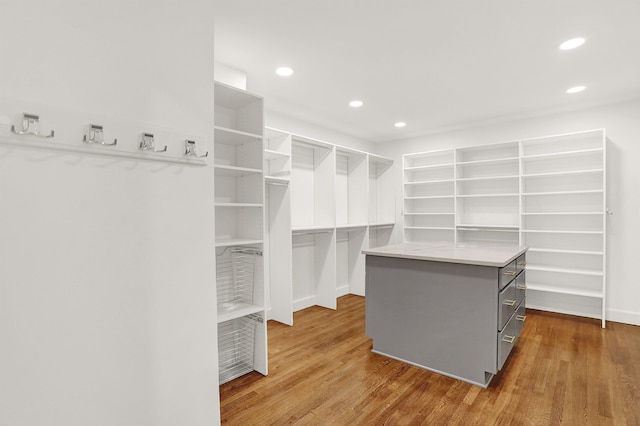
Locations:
(548, 193)
(487, 193)
(277, 166)
(429, 195)
(382, 215)
(313, 219)
(352, 218)
(239, 231)
(338, 202)
(563, 182)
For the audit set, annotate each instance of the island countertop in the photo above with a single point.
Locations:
(496, 255)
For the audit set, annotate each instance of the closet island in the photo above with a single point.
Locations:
(455, 309)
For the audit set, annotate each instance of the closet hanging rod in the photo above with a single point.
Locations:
(296, 233)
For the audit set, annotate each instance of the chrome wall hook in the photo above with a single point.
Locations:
(147, 143)
(96, 135)
(30, 126)
(190, 150)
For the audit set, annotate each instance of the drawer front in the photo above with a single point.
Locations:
(507, 304)
(521, 287)
(507, 274)
(506, 340)
(521, 316)
(521, 262)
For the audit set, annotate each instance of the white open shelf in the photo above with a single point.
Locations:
(239, 232)
(234, 137)
(325, 204)
(228, 242)
(548, 193)
(238, 310)
(222, 170)
(564, 290)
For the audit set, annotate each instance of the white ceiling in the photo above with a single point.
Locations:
(435, 64)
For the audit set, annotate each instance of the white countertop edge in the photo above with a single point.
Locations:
(469, 254)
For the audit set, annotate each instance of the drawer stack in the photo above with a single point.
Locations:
(511, 306)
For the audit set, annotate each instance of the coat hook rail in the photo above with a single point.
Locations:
(31, 126)
(96, 136)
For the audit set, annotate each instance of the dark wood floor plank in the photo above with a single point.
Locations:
(563, 370)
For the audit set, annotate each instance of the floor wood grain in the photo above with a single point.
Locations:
(563, 370)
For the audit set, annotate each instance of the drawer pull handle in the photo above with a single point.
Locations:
(521, 287)
(522, 262)
(509, 339)
(521, 317)
(510, 273)
(509, 302)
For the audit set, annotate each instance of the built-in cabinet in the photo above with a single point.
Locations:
(547, 193)
(239, 232)
(325, 204)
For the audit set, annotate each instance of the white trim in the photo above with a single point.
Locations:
(625, 317)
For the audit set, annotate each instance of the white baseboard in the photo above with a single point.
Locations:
(304, 303)
(562, 311)
(342, 291)
(626, 317)
(616, 315)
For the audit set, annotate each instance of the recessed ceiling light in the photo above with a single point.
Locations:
(400, 124)
(576, 89)
(284, 71)
(572, 43)
(356, 104)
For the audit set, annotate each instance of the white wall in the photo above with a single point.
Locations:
(283, 122)
(622, 123)
(107, 295)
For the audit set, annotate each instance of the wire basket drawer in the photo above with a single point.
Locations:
(235, 275)
(236, 339)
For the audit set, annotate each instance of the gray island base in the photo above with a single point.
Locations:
(455, 309)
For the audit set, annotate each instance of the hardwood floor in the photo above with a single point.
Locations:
(563, 370)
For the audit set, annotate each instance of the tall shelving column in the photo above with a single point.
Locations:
(351, 220)
(564, 222)
(487, 194)
(313, 216)
(382, 208)
(277, 159)
(239, 201)
(429, 196)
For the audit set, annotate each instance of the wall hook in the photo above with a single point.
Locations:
(147, 143)
(96, 135)
(190, 149)
(30, 126)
